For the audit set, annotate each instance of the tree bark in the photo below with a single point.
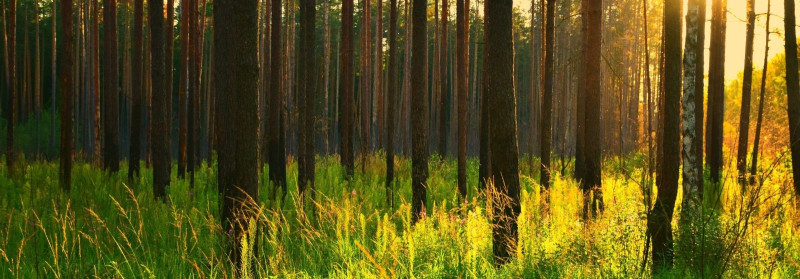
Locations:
(699, 101)
(691, 174)
(580, 132)
(155, 11)
(792, 92)
(365, 92)
(485, 168)
(391, 95)
(716, 89)
(592, 172)
(136, 79)
(168, 53)
(236, 82)
(547, 107)
(747, 81)
(183, 87)
(378, 76)
(277, 152)
(347, 102)
(191, 93)
(462, 85)
(757, 138)
(65, 82)
(505, 156)
(94, 53)
(12, 90)
(659, 220)
(307, 95)
(110, 87)
(442, 72)
(326, 77)
(419, 112)
(37, 79)
(53, 77)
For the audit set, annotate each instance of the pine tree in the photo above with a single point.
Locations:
(11, 82)
(277, 152)
(419, 111)
(65, 75)
(660, 218)
(462, 84)
(547, 102)
(757, 137)
(505, 156)
(110, 87)
(347, 102)
(793, 93)
(236, 80)
(592, 170)
(307, 95)
(716, 89)
(747, 83)
(138, 97)
(391, 95)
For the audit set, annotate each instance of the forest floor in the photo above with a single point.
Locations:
(107, 228)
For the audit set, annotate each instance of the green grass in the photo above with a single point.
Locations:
(106, 228)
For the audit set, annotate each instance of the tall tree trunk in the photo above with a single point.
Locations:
(12, 90)
(138, 97)
(24, 79)
(462, 85)
(236, 65)
(649, 96)
(747, 81)
(326, 76)
(757, 138)
(391, 94)
(716, 89)
(300, 99)
(659, 221)
(192, 92)
(378, 76)
(442, 72)
(110, 86)
(365, 92)
(148, 95)
(592, 172)
(263, 89)
(277, 149)
(95, 85)
(65, 82)
(199, 121)
(434, 85)
(547, 108)
(168, 53)
(406, 101)
(699, 101)
(691, 174)
(307, 95)
(347, 102)
(53, 77)
(504, 157)
(792, 92)
(37, 79)
(485, 168)
(6, 100)
(419, 112)
(580, 133)
(155, 11)
(183, 87)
